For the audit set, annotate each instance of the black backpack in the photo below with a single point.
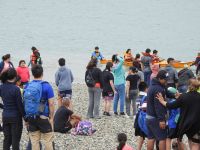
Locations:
(90, 81)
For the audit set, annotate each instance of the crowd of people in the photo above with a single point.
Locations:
(160, 115)
(163, 102)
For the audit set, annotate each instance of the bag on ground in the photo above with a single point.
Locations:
(84, 128)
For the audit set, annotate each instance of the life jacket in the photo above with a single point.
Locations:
(34, 57)
(155, 59)
(128, 57)
(146, 54)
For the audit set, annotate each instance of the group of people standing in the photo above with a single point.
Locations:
(168, 115)
(147, 88)
(33, 101)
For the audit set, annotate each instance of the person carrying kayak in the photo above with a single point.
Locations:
(128, 56)
(96, 54)
(155, 57)
(35, 57)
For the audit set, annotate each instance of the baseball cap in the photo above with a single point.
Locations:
(162, 74)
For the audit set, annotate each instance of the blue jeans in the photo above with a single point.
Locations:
(120, 95)
(147, 75)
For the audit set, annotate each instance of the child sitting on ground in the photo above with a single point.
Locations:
(143, 88)
(122, 138)
(64, 119)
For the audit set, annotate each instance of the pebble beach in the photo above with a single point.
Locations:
(105, 138)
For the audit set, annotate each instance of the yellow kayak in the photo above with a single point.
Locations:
(163, 63)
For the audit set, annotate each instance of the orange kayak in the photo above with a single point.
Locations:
(126, 63)
(176, 64)
(163, 63)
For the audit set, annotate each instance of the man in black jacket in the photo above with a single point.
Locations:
(156, 113)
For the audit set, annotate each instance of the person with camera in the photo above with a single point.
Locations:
(119, 82)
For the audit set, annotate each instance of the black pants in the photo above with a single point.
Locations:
(12, 130)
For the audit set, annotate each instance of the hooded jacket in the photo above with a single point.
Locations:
(154, 107)
(64, 78)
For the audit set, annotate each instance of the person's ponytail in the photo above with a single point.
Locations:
(121, 145)
(122, 138)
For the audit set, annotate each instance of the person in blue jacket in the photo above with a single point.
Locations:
(96, 54)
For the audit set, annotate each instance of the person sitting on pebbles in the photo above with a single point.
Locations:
(64, 119)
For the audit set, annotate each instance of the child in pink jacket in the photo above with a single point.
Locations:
(23, 72)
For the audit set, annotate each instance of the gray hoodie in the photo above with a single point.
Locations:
(64, 78)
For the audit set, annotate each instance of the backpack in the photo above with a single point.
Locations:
(142, 118)
(173, 117)
(84, 128)
(34, 104)
(89, 79)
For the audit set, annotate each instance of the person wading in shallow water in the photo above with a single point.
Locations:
(35, 58)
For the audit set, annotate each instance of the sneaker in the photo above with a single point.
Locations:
(108, 114)
(116, 113)
(122, 113)
(104, 113)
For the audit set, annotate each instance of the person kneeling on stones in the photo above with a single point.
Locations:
(64, 119)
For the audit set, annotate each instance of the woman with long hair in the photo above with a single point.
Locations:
(94, 81)
(108, 88)
(13, 110)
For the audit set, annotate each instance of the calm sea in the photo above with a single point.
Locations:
(72, 28)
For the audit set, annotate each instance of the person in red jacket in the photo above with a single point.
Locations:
(23, 72)
(35, 57)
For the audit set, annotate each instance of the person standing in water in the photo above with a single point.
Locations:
(35, 58)
(97, 54)
(128, 56)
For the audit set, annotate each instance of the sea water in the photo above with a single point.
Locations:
(72, 28)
